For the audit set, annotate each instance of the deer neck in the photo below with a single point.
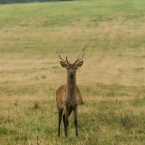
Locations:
(71, 85)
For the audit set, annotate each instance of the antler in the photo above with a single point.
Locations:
(58, 51)
(83, 49)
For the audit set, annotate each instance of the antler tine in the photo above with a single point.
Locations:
(67, 60)
(83, 49)
(58, 51)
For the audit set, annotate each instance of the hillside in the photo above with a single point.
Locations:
(111, 79)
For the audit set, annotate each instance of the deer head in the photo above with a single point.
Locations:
(71, 68)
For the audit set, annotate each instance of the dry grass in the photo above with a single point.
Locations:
(111, 80)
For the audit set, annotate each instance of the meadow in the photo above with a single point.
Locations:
(111, 80)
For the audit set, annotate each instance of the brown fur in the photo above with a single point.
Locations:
(68, 96)
(60, 93)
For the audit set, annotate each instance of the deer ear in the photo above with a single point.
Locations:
(79, 64)
(63, 64)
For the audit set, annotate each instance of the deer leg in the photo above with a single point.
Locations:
(69, 112)
(66, 121)
(75, 120)
(59, 120)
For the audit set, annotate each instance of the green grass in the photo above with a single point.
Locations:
(111, 79)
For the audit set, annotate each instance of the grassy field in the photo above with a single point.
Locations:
(112, 79)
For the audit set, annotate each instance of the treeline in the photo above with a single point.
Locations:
(26, 1)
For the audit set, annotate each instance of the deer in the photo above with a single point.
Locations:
(68, 96)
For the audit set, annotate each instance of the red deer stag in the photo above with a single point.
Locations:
(68, 96)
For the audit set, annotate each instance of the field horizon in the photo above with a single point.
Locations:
(111, 80)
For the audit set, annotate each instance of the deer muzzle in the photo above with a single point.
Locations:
(71, 74)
